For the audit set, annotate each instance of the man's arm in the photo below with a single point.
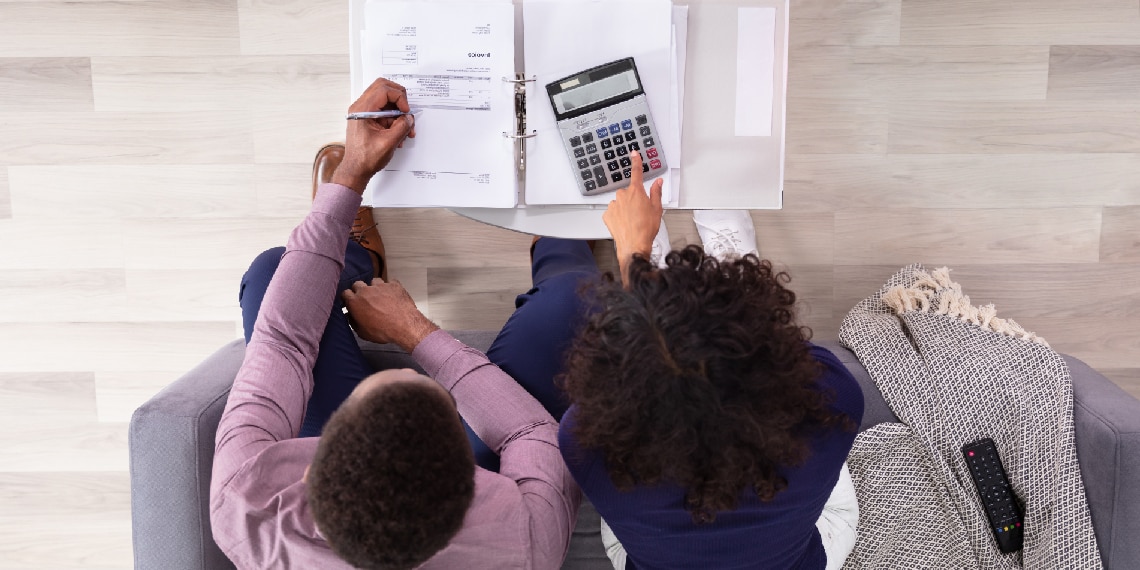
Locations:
(516, 426)
(508, 419)
(268, 400)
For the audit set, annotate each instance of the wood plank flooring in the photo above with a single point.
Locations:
(150, 148)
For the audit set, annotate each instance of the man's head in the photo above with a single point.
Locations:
(393, 474)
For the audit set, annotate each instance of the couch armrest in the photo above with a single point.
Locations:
(1107, 424)
(171, 454)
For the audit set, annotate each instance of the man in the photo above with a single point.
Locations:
(392, 481)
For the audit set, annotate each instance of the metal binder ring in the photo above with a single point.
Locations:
(517, 81)
(516, 137)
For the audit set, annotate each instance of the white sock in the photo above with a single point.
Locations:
(726, 234)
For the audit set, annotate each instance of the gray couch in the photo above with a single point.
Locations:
(172, 448)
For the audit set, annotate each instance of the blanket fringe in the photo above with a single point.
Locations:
(936, 291)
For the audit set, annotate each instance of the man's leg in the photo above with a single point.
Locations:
(533, 342)
(340, 364)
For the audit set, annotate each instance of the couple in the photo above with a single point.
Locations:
(695, 415)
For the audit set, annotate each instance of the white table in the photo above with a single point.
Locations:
(719, 170)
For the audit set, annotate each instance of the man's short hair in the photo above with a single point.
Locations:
(393, 476)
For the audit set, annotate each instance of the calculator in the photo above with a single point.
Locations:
(603, 117)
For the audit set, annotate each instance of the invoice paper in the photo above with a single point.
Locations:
(451, 57)
(755, 63)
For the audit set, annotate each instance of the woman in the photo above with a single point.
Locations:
(705, 428)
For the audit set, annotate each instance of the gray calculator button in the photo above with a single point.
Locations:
(631, 136)
(587, 137)
(585, 175)
(622, 151)
(583, 163)
(612, 165)
(634, 146)
(602, 180)
(610, 155)
(641, 119)
(644, 131)
(625, 172)
(590, 185)
(591, 148)
(600, 173)
(579, 152)
(616, 177)
(645, 167)
(595, 160)
(606, 143)
(625, 161)
(575, 141)
(617, 140)
(648, 142)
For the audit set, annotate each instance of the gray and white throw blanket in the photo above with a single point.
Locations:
(954, 373)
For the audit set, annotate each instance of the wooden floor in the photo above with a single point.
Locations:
(150, 148)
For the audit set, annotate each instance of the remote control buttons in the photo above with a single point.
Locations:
(641, 119)
(626, 125)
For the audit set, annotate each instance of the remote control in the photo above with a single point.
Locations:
(1001, 506)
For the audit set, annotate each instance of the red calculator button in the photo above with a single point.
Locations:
(652, 153)
(654, 163)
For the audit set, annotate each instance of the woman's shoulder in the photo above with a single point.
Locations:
(836, 379)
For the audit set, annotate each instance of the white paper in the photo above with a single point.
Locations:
(677, 105)
(755, 63)
(562, 38)
(451, 57)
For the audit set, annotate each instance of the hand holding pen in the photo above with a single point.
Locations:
(370, 144)
(388, 114)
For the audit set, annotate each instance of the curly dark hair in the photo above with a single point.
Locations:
(393, 477)
(697, 374)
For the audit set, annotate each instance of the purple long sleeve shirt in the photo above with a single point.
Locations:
(521, 517)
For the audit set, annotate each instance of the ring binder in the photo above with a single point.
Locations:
(523, 136)
(519, 80)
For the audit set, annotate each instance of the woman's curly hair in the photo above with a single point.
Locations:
(697, 374)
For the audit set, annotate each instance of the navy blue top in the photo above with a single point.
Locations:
(657, 532)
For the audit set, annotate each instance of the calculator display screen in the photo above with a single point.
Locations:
(579, 95)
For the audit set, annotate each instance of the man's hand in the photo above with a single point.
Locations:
(370, 143)
(633, 217)
(384, 312)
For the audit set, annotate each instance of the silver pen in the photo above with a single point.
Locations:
(381, 114)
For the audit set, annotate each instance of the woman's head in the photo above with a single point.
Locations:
(697, 374)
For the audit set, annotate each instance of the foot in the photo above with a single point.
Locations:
(661, 247)
(326, 161)
(364, 232)
(726, 234)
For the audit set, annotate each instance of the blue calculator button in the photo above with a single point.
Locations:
(615, 129)
(626, 125)
(603, 132)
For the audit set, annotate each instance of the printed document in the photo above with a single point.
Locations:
(452, 58)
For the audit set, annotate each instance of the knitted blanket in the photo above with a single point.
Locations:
(954, 373)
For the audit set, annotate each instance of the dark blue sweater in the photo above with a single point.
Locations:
(658, 533)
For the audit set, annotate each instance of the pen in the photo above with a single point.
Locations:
(380, 114)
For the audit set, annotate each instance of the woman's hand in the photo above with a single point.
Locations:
(633, 217)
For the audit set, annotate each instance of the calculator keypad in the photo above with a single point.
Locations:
(603, 154)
